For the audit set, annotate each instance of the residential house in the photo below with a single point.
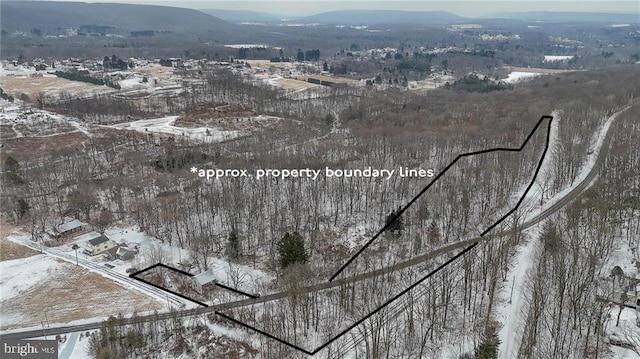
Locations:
(98, 245)
(67, 228)
(120, 251)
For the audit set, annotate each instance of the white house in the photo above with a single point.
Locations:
(98, 245)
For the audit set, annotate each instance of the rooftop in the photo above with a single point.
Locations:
(69, 226)
(98, 240)
(204, 278)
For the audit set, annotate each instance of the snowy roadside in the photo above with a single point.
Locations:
(511, 301)
(510, 312)
(104, 271)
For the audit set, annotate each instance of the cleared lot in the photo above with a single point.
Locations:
(49, 85)
(37, 288)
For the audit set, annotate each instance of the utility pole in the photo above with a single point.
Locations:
(42, 322)
(43, 332)
(512, 285)
(75, 247)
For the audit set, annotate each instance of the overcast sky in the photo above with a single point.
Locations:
(464, 8)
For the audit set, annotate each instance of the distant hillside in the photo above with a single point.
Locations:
(369, 17)
(54, 15)
(238, 16)
(571, 16)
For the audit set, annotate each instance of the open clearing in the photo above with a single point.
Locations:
(10, 250)
(292, 84)
(536, 70)
(51, 86)
(162, 73)
(24, 148)
(335, 80)
(265, 64)
(39, 284)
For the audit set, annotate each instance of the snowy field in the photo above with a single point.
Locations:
(38, 123)
(41, 288)
(517, 76)
(165, 125)
(556, 58)
(21, 79)
(152, 250)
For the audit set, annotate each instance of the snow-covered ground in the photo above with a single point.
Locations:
(249, 279)
(165, 125)
(151, 250)
(38, 123)
(510, 313)
(511, 301)
(557, 58)
(94, 265)
(627, 332)
(532, 200)
(19, 275)
(517, 76)
(41, 286)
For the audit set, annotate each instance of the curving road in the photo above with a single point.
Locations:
(568, 197)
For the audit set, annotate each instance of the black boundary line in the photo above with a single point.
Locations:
(264, 333)
(236, 291)
(345, 331)
(535, 175)
(134, 276)
(170, 291)
(387, 225)
(440, 267)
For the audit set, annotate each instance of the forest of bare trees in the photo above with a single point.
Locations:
(145, 181)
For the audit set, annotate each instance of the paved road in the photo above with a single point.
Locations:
(68, 349)
(570, 196)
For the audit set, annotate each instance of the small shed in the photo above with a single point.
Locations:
(203, 282)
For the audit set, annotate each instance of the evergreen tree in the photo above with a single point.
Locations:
(22, 207)
(488, 348)
(395, 226)
(291, 249)
(11, 164)
(234, 250)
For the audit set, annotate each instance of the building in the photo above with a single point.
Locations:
(67, 228)
(203, 282)
(120, 251)
(98, 245)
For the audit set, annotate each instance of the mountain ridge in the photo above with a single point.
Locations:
(52, 15)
